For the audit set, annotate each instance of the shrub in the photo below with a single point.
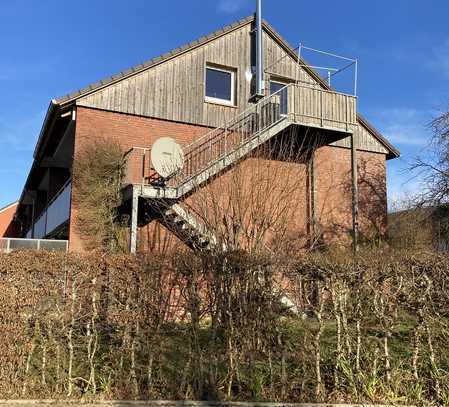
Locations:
(368, 329)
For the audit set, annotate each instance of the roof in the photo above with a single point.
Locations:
(68, 99)
(154, 61)
(9, 206)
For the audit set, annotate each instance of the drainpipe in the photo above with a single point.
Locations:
(260, 86)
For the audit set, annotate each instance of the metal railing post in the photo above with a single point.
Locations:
(210, 149)
(8, 245)
(143, 166)
(226, 141)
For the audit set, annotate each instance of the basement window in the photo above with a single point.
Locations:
(220, 85)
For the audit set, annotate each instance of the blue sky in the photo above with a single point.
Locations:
(49, 48)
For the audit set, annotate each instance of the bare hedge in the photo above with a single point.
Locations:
(322, 327)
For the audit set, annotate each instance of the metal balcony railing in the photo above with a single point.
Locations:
(55, 213)
(8, 245)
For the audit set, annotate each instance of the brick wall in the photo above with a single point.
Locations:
(130, 131)
(333, 182)
(7, 226)
(334, 193)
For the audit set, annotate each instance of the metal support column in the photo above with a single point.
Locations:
(314, 191)
(311, 200)
(133, 227)
(355, 195)
(260, 87)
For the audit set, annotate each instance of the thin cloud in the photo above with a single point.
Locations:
(404, 134)
(20, 135)
(405, 126)
(439, 62)
(231, 6)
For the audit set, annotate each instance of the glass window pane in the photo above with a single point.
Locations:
(219, 84)
(275, 87)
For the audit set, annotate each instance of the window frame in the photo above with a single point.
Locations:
(279, 82)
(219, 101)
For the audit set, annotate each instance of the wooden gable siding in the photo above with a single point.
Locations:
(174, 90)
(365, 141)
(280, 65)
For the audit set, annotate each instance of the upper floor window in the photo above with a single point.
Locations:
(220, 85)
(281, 89)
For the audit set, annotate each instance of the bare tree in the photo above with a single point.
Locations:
(434, 167)
(262, 202)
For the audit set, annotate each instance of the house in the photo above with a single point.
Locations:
(221, 98)
(8, 225)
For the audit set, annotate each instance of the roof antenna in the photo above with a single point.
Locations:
(260, 87)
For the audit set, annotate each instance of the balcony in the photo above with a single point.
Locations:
(320, 108)
(294, 105)
(54, 215)
(7, 245)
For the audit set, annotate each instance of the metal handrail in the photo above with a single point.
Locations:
(219, 142)
(37, 244)
(242, 123)
(261, 102)
(236, 118)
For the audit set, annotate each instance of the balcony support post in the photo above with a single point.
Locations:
(133, 227)
(355, 195)
(311, 196)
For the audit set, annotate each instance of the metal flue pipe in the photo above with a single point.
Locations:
(260, 87)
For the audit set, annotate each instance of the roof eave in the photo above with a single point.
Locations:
(393, 152)
(65, 101)
(8, 206)
(72, 97)
(49, 115)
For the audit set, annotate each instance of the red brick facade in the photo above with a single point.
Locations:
(130, 131)
(334, 192)
(8, 228)
(332, 172)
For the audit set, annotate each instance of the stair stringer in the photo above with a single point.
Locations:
(188, 186)
(188, 228)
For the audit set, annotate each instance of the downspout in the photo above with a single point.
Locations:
(260, 86)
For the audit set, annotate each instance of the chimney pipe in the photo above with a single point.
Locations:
(260, 86)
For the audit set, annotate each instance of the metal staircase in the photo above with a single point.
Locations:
(223, 147)
(188, 228)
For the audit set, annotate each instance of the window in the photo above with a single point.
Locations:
(276, 87)
(220, 86)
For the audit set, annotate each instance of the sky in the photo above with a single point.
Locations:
(49, 48)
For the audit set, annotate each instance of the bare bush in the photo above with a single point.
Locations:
(371, 328)
(97, 185)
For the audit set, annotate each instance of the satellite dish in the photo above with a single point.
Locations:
(167, 157)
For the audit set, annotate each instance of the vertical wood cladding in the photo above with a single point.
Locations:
(174, 90)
